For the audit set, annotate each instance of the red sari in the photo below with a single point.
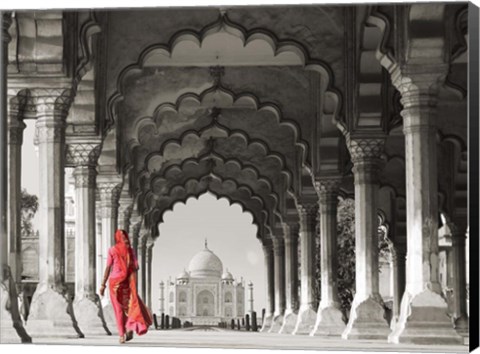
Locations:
(130, 311)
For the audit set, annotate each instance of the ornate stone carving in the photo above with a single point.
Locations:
(418, 85)
(85, 177)
(308, 214)
(84, 154)
(366, 149)
(109, 194)
(52, 102)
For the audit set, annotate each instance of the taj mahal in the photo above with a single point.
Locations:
(205, 294)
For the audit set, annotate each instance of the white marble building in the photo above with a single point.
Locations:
(205, 294)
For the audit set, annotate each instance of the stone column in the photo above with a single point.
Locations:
(98, 242)
(269, 266)
(307, 316)
(86, 304)
(149, 254)
(423, 312)
(11, 327)
(141, 275)
(279, 268)
(51, 313)
(459, 282)
(109, 189)
(162, 298)
(366, 319)
(398, 260)
(109, 194)
(251, 309)
(291, 277)
(124, 210)
(15, 140)
(329, 316)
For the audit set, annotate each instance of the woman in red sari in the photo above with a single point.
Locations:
(130, 312)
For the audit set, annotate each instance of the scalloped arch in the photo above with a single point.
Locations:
(279, 48)
(183, 189)
(261, 185)
(218, 98)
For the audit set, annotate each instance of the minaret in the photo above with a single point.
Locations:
(206, 244)
(250, 297)
(162, 297)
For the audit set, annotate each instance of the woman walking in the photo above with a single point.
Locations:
(130, 312)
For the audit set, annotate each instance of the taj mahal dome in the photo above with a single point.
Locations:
(205, 294)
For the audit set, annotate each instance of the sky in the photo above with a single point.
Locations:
(230, 235)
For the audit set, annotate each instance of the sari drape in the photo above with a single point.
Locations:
(130, 311)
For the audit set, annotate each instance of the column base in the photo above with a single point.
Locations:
(462, 326)
(109, 317)
(11, 326)
(289, 323)
(277, 323)
(89, 316)
(267, 323)
(51, 315)
(329, 322)
(367, 320)
(305, 321)
(424, 320)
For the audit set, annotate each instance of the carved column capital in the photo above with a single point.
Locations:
(367, 158)
(418, 86)
(85, 177)
(327, 189)
(366, 149)
(82, 154)
(109, 194)
(52, 103)
(308, 213)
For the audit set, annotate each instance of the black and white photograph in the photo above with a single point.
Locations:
(264, 176)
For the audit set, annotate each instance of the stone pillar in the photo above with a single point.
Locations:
(99, 242)
(148, 263)
(162, 299)
(15, 140)
(124, 210)
(141, 275)
(367, 315)
(109, 194)
(250, 298)
(291, 277)
(269, 266)
(11, 326)
(134, 230)
(329, 316)
(109, 190)
(51, 313)
(307, 316)
(459, 282)
(279, 268)
(423, 312)
(398, 260)
(86, 304)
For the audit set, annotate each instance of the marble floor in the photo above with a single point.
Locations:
(220, 338)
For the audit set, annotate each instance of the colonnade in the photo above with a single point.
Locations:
(421, 314)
